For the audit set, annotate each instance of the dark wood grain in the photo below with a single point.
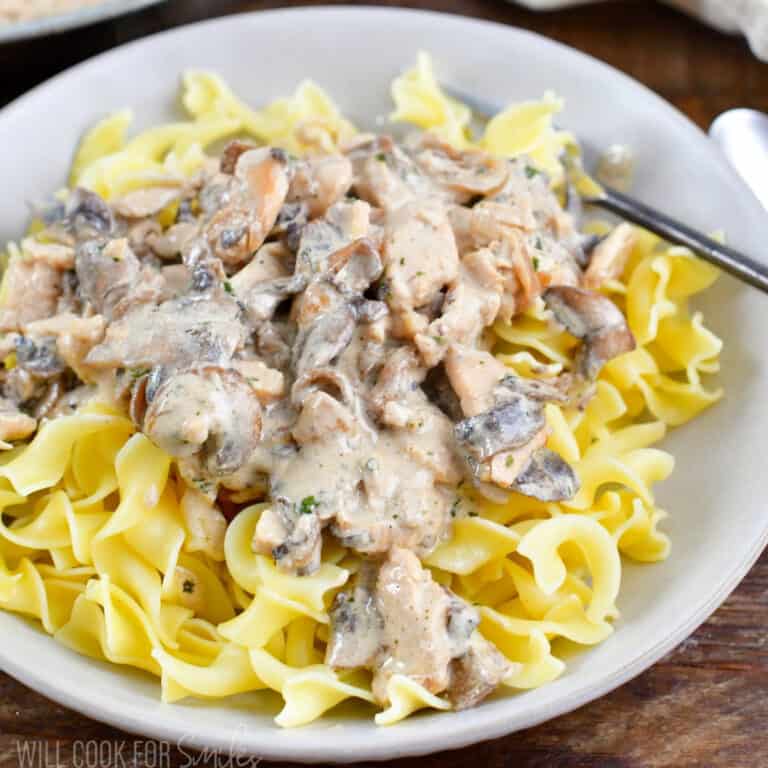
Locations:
(705, 704)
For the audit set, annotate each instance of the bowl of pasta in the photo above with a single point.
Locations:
(333, 426)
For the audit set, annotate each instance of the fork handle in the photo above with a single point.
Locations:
(728, 259)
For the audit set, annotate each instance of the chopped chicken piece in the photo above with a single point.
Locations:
(610, 256)
(319, 182)
(31, 289)
(14, 425)
(205, 525)
(471, 304)
(236, 230)
(268, 383)
(473, 374)
(420, 254)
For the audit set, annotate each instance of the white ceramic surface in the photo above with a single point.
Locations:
(49, 25)
(718, 520)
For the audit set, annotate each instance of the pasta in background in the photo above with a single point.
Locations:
(94, 543)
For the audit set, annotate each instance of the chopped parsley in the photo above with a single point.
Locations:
(228, 287)
(510, 460)
(402, 261)
(536, 263)
(137, 373)
(381, 157)
(439, 339)
(308, 505)
(530, 171)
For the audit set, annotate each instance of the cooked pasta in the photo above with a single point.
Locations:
(120, 550)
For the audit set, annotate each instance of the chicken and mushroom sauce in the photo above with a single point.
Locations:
(314, 332)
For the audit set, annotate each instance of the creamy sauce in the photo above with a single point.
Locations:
(311, 333)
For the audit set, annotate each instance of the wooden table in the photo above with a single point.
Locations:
(705, 704)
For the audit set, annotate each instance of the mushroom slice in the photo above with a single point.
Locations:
(370, 311)
(326, 326)
(609, 256)
(467, 174)
(179, 332)
(327, 380)
(210, 418)
(477, 673)
(356, 624)
(343, 223)
(505, 426)
(290, 223)
(548, 477)
(262, 300)
(355, 267)
(290, 533)
(557, 390)
(596, 320)
(38, 357)
(107, 273)
(88, 215)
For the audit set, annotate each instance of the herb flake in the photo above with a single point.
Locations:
(308, 505)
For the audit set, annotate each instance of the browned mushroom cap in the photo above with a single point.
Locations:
(509, 425)
(210, 417)
(327, 380)
(466, 173)
(596, 320)
(548, 477)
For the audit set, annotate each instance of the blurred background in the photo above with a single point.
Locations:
(701, 70)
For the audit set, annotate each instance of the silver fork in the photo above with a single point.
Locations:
(728, 259)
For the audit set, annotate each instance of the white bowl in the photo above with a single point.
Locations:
(718, 521)
(60, 22)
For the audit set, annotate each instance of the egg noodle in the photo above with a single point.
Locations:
(93, 542)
